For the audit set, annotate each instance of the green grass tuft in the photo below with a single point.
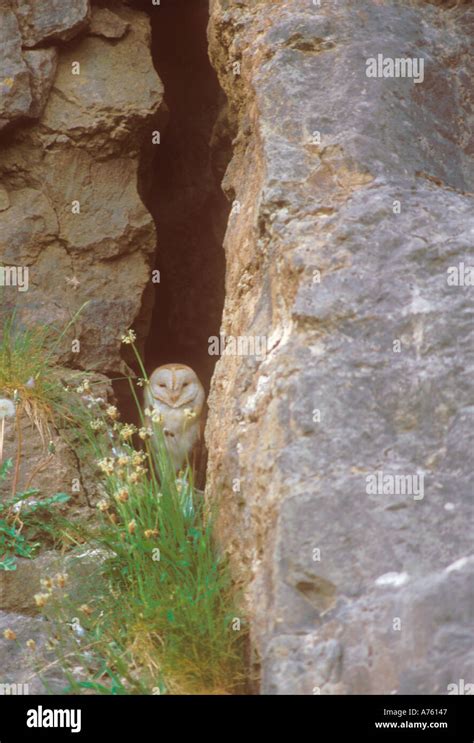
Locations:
(162, 616)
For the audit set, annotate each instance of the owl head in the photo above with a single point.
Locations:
(177, 385)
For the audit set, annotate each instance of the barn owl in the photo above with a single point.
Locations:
(175, 392)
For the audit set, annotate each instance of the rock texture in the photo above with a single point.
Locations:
(18, 589)
(16, 97)
(19, 670)
(51, 458)
(38, 669)
(70, 208)
(47, 20)
(354, 199)
(79, 101)
(347, 247)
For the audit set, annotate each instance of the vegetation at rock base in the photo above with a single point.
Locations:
(29, 388)
(28, 374)
(160, 615)
(21, 520)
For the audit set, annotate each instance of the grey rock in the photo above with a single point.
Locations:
(46, 20)
(19, 587)
(369, 362)
(15, 93)
(36, 671)
(298, 665)
(42, 64)
(21, 668)
(27, 77)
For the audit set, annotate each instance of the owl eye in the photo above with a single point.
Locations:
(185, 384)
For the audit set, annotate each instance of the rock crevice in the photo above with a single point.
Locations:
(350, 203)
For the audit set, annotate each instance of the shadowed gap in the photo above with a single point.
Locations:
(185, 198)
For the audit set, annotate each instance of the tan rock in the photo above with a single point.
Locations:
(77, 219)
(107, 24)
(49, 451)
(112, 219)
(32, 210)
(4, 199)
(110, 101)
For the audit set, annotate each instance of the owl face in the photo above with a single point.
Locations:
(177, 386)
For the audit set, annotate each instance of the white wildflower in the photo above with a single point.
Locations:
(106, 465)
(97, 425)
(83, 387)
(41, 598)
(127, 431)
(7, 408)
(112, 412)
(129, 337)
(138, 457)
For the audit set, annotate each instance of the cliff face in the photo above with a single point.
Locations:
(79, 101)
(70, 177)
(340, 456)
(353, 211)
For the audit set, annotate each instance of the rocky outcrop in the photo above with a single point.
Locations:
(19, 670)
(75, 120)
(339, 450)
(81, 566)
(70, 209)
(27, 75)
(35, 670)
(43, 21)
(52, 457)
(347, 251)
